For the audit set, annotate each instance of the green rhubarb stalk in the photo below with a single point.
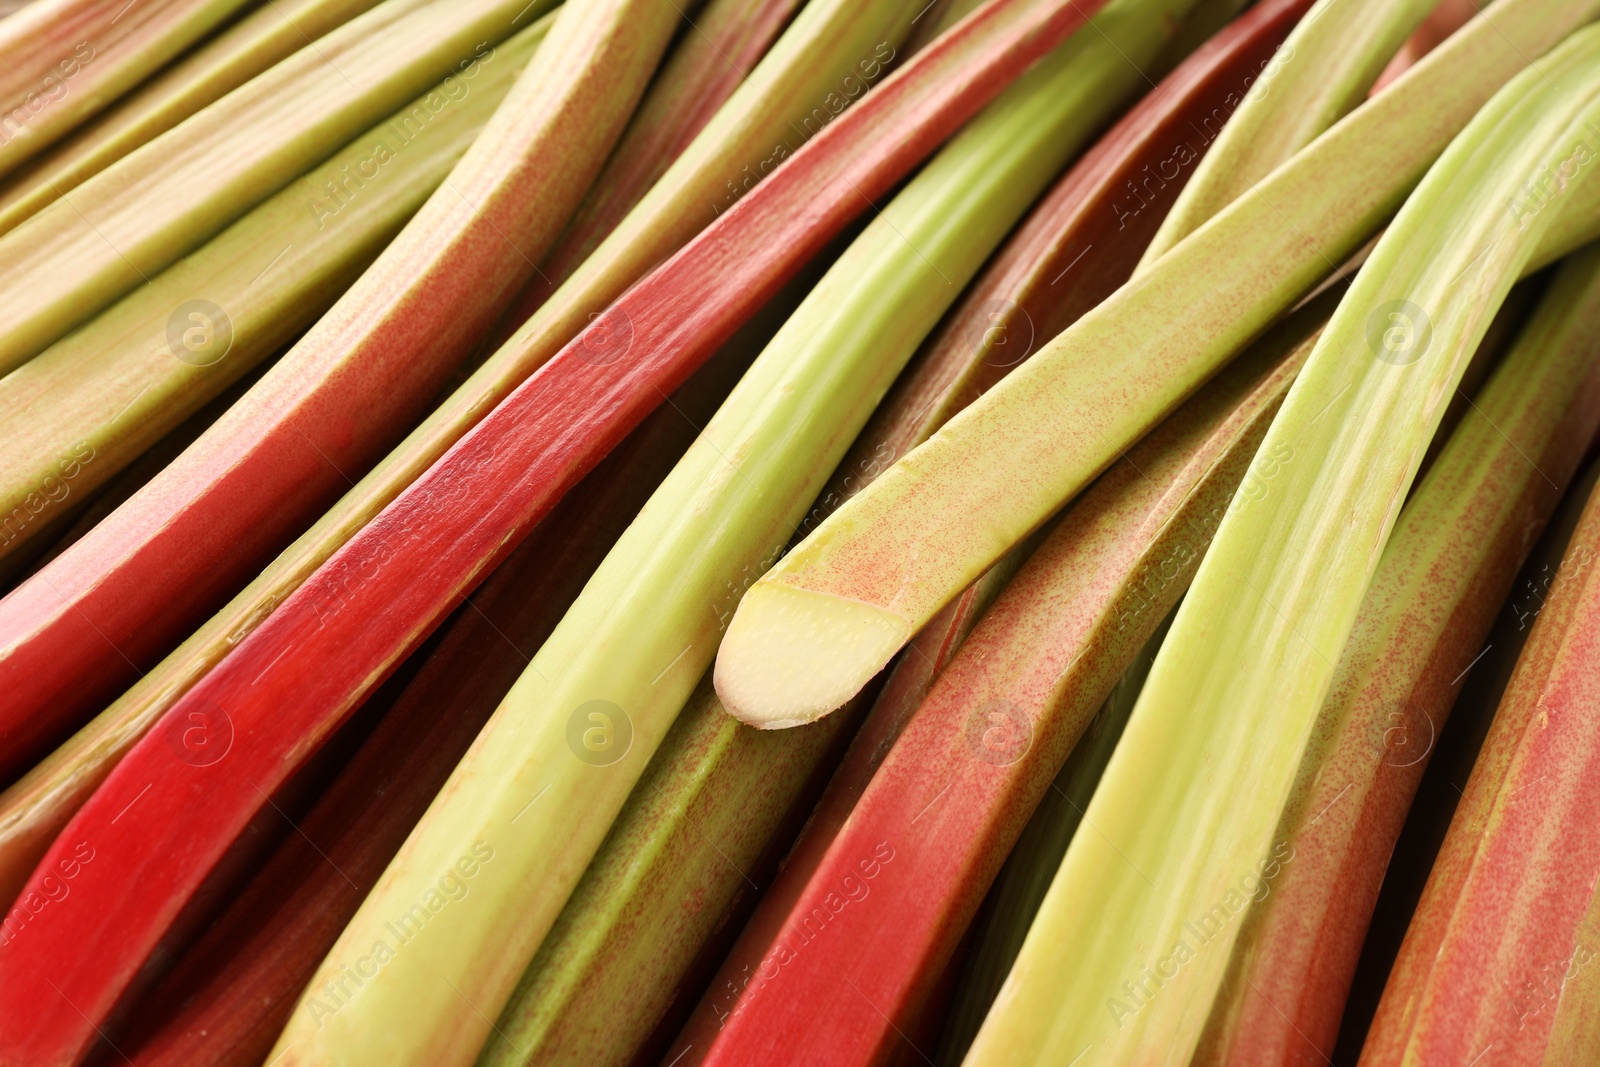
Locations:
(235, 55)
(1130, 946)
(1019, 888)
(827, 617)
(1319, 75)
(828, 43)
(121, 227)
(622, 663)
(61, 61)
(1448, 567)
(80, 411)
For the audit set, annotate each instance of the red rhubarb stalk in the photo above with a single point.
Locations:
(297, 676)
(858, 951)
(1448, 567)
(116, 600)
(227, 1000)
(1500, 956)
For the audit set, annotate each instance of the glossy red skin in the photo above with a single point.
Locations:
(727, 38)
(230, 996)
(160, 824)
(1506, 900)
(874, 927)
(109, 607)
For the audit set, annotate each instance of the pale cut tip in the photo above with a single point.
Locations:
(791, 655)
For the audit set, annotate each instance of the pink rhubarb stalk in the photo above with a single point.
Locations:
(1500, 956)
(115, 601)
(288, 684)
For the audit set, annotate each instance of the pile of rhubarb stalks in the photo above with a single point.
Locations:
(989, 532)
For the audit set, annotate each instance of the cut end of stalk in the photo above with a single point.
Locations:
(793, 655)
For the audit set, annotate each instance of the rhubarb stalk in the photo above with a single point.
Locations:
(1133, 938)
(829, 615)
(74, 415)
(118, 598)
(381, 594)
(1500, 953)
(1447, 569)
(1321, 73)
(63, 60)
(238, 53)
(856, 955)
(120, 227)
